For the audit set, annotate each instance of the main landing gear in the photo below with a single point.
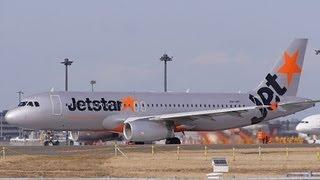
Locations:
(174, 140)
(57, 138)
(50, 139)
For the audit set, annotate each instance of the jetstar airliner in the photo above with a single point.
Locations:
(150, 116)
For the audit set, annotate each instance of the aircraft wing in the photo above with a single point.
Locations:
(289, 105)
(237, 111)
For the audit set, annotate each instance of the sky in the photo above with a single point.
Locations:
(217, 46)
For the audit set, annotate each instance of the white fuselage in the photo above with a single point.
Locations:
(310, 125)
(108, 111)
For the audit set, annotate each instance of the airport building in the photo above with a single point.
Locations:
(7, 131)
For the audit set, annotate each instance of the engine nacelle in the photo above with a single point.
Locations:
(146, 130)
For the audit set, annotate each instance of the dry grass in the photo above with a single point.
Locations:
(191, 163)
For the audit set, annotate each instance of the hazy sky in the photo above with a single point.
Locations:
(218, 46)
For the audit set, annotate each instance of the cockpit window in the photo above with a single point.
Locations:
(29, 103)
(36, 103)
(22, 104)
(304, 121)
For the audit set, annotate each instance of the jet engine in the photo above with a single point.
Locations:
(146, 130)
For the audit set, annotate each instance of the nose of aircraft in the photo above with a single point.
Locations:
(300, 128)
(15, 117)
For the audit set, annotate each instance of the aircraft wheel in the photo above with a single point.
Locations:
(50, 143)
(138, 143)
(46, 143)
(71, 143)
(56, 143)
(174, 140)
(135, 143)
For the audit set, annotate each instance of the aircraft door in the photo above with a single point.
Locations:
(56, 105)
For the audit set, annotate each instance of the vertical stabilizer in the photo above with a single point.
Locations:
(287, 70)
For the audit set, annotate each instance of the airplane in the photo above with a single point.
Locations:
(153, 116)
(309, 125)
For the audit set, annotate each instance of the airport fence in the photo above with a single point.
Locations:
(176, 152)
(207, 152)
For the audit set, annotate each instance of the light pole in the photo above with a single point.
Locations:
(92, 82)
(165, 58)
(67, 63)
(20, 93)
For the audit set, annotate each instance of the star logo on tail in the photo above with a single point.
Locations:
(290, 66)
